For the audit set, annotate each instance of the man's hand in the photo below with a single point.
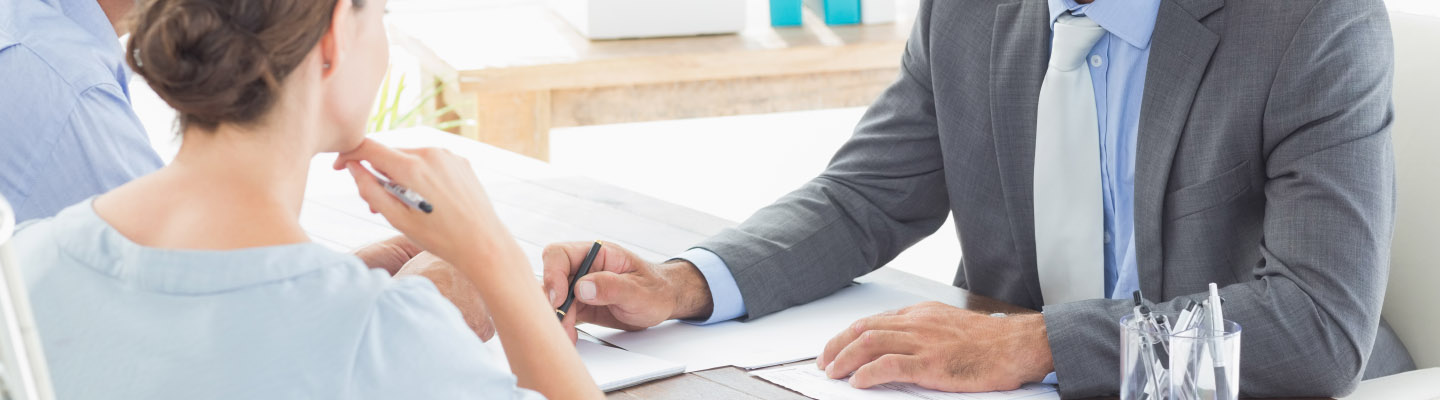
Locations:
(941, 347)
(622, 290)
(389, 254)
(455, 287)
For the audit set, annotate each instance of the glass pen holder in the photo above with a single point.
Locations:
(1193, 364)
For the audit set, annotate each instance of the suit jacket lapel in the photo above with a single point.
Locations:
(1180, 52)
(1019, 53)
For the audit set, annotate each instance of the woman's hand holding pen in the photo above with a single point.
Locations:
(463, 221)
(462, 228)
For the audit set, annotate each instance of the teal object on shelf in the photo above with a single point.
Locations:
(837, 12)
(785, 12)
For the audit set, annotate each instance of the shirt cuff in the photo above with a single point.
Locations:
(1050, 379)
(724, 292)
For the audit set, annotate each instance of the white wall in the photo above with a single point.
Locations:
(1422, 7)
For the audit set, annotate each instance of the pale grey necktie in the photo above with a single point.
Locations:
(1068, 227)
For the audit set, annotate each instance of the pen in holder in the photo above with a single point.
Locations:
(1198, 363)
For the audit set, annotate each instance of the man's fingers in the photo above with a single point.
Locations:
(568, 323)
(892, 322)
(886, 321)
(557, 267)
(602, 316)
(867, 347)
(837, 343)
(886, 369)
(605, 288)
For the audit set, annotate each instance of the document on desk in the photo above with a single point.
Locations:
(798, 333)
(612, 368)
(812, 383)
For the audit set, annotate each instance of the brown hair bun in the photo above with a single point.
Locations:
(222, 61)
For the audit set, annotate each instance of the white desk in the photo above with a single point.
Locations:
(542, 204)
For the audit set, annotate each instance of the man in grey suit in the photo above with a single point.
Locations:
(1245, 143)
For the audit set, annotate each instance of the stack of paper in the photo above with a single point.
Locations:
(798, 333)
(615, 369)
(811, 382)
(612, 368)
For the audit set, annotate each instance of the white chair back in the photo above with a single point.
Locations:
(24, 376)
(1412, 300)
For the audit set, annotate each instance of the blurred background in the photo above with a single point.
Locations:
(717, 105)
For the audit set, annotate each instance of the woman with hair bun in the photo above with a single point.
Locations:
(196, 281)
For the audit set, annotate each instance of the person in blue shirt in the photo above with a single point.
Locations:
(69, 132)
(197, 281)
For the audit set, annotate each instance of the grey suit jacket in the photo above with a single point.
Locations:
(1264, 165)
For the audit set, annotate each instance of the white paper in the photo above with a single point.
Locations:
(612, 368)
(798, 333)
(811, 382)
(615, 369)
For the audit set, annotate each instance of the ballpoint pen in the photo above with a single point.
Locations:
(584, 269)
(410, 198)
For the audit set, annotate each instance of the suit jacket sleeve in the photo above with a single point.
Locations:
(1311, 309)
(882, 192)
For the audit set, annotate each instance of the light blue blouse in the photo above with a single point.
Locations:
(122, 321)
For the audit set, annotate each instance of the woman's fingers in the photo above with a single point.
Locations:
(396, 165)
(370, 190)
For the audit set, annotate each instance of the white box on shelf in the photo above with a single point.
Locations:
(877, 11)
(622, 19)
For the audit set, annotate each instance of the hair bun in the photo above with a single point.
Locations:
(218, 61)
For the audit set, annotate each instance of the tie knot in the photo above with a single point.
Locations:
(1074, 37)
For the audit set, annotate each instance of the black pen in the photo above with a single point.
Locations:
(584, 269)
(410, 198)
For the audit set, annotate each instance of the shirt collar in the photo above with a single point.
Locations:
(90, 240)
(90, 17)
(1131, 20)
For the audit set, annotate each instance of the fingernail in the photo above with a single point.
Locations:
(830, 370)
(585, 290)
(552, 296)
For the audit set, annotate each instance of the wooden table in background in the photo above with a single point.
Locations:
(518, 70)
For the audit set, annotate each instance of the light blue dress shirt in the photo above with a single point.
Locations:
(1117, 69)
(121, 321)
(67, 131)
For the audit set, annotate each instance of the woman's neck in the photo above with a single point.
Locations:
(267, 166)
(228, 189)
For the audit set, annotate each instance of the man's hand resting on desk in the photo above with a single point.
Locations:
(941, 347)
(622, 290)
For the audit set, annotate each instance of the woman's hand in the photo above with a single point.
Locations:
(389, 254)
(463, 222)
(455, 287)
(463, 229)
